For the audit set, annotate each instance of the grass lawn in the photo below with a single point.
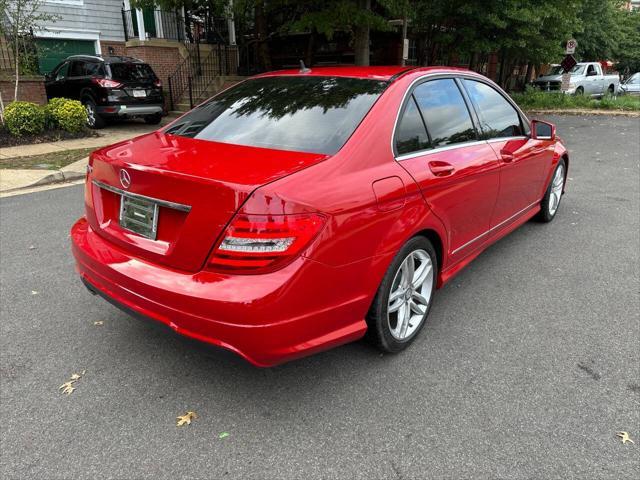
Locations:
(48, 161)
(535, 100)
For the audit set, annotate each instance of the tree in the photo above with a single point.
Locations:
(627, 50)
(23, 16)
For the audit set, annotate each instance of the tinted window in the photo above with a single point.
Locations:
(307, 114)
(77, 69)
(62, 71)
(132, 72)
(93, 68)
(498, 118)
(445, 112)
(411, 134)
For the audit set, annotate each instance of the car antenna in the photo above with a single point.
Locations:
(304, 69)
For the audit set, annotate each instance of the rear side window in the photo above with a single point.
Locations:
(305, 114)
(445, 112)
(132, 72)
(77, 69)
(93, 68)
(411, 135)
(498, 118)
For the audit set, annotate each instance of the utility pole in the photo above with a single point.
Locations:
(405, 41)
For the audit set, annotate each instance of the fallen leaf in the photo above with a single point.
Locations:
(186, 418)
(66, 385)
(31, 247)
(75, 376)
(34, 292)
(99, 322)
(224, 435)
(624, 436)
(68, 389)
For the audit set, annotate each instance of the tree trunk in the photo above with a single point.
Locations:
(264, 57)
(361, 38)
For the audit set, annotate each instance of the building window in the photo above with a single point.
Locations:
(75, 3)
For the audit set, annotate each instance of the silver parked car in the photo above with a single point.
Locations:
(631, 86)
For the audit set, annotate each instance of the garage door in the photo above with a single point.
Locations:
(51, 51)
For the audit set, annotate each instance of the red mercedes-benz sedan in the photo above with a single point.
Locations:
(300, 210)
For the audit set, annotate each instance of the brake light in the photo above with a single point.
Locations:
(257, 242)
(157, 83)
(105, 83)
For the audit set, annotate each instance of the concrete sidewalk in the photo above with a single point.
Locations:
(107, 136)
(16, 179)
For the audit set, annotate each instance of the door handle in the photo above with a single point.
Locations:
(441, 169)
(507, 156)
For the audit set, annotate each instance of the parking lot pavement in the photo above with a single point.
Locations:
(527, 368)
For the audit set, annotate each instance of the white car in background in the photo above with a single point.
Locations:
(587, 78)
(631, 86)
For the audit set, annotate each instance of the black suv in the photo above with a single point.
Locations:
(108, 87)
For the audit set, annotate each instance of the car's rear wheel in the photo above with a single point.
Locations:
(611, 91)
(551, 200)
(154, 119)
(580, 91)
(94, 120)
(403, 300)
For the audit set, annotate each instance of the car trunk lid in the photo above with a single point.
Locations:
(197, 186)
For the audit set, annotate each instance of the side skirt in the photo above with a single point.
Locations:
(453, 270)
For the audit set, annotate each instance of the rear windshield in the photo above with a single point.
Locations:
(132, 72)
(306, 114)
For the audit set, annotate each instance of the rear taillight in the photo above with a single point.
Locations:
(105, 83)
(259, 242)
(157, 84)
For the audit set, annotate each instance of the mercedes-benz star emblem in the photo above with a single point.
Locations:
(125, 178)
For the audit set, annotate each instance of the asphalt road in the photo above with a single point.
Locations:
(527, 368)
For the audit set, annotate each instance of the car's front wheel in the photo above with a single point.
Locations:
(551, 200)
(404, 297)
(94, 120)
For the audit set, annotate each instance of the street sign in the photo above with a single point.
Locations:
(405, 49)
(570, 49)
(568, 63)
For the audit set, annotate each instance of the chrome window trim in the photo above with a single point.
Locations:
(506, 139)
(162, 203)
(453, 75)
(430, 151)
(495, 227)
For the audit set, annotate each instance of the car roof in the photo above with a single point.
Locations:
(385, 73)
(107, 59)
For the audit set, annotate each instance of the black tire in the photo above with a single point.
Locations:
(379, 330)
(546, 213)
(154, 119)
(580, 91)
(94, 120)
(611, 91)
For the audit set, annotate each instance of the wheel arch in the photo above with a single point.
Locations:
(436, 241)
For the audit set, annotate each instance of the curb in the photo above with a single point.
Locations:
(55, 177)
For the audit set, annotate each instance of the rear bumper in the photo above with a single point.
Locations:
(129, 110)
(268, 319)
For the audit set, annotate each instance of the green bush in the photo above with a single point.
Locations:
(24, 118)
(532, 99)
(67, 114)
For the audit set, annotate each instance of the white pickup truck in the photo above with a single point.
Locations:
(586, 79)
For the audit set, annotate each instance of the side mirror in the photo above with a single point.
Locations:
(542, 130)
(47, 77)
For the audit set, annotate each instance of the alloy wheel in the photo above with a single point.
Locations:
(410, 294)
(556, 190)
